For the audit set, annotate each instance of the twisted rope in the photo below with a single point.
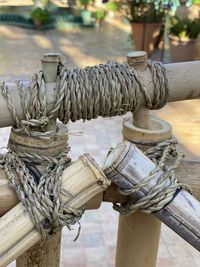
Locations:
(107, 90)
(102, 90)
(43, 197)
(167, 185)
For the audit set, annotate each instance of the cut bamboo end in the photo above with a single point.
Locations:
(137, 60)
(116, 156)
(50, 63)
(82, 180)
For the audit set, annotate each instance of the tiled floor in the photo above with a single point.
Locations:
(96, 244)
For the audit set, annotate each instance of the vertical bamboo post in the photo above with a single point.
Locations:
(46, 252)
(138, 234)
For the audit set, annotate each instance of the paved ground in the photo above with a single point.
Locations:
(20, 53)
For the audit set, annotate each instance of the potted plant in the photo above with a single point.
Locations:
(112, 7)
(145, 18)
(100, 16)
(183, 34)
(39, 16)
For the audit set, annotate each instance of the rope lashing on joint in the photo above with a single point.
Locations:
(167, 185)
(103, 90)
(43, 197)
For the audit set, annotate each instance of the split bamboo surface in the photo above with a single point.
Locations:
(82, 180)
(126, 166)
(184, 81)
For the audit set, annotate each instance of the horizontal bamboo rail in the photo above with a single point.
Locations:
(184, 81)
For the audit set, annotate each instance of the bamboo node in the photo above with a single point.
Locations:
(40, 193)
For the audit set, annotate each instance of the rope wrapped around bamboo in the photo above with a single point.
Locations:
(167, 159)
(103, 90)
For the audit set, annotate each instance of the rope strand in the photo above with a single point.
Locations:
(103, 90)
(163, 192)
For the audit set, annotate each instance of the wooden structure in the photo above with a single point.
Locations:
(89, 186)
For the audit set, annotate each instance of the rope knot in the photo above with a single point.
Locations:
(41, 122)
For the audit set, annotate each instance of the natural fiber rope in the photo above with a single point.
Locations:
(167, 185)
(43, 198)
(102, 90)
(108, 90)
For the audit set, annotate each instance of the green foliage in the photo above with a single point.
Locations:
(40, 14)
(196, 2)
(85, 3)
(184, 28)
(113, 6)
(144, 11)
(100, 14)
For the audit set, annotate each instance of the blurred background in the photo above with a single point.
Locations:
(89, 32)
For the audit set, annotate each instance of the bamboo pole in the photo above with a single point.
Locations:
(9, 199)
(43, 252)
(82, 180)
(184, 80)
(126, 166)
(136, 243)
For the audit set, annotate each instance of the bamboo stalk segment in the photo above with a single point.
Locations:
(183, 84)
(83, 180)
(137, 243)
(126, 166)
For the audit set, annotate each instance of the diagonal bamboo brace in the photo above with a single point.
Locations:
(83, 180)
(126, 166)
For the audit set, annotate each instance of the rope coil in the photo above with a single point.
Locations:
(41, 197)
(167, 185)
(103, 90)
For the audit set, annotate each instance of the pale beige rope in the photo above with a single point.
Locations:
(107, 90)
(103, 90)
(163, 192)
(34, 107)
(43, 198)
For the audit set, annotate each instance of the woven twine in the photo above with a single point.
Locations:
(103, 90)
(43, 197)
(167, 159)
